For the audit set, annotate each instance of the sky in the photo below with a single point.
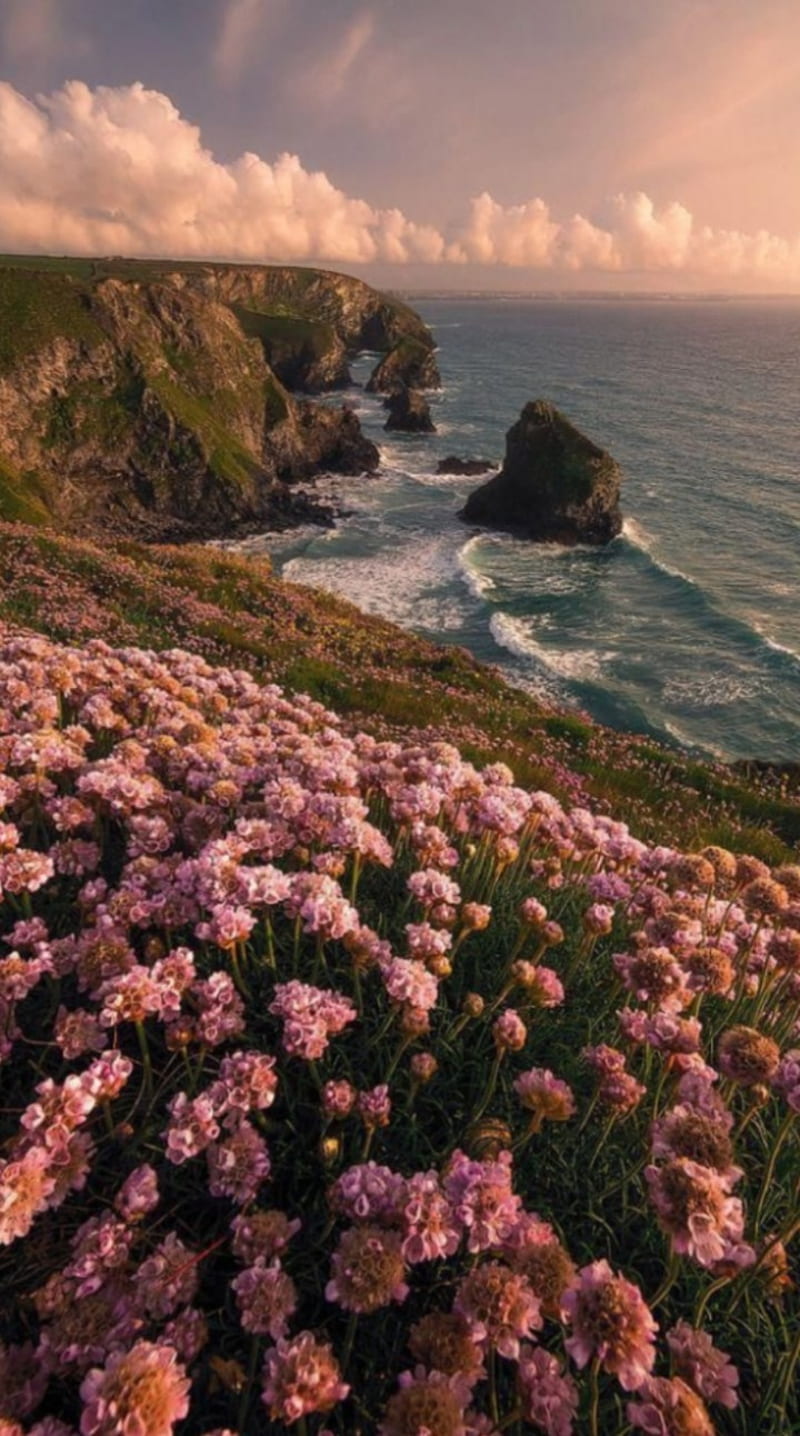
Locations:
(445, 144)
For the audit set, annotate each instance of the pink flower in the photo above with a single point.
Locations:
(25, 1187)
(669, 1408)
(266, 1298)
(499, 1305)
(410, 981)
(311, 1015)
(509, 1031)
(192, 1126)
(694, 1209)
(546, 1096)
(138, 1195)
(427, 1402)
(338, 1099)
(238, 1165)
(703, 1365)
(368, 1192)
(481, 1196)
(610, 1321)
(141, 1392)
(549, 1396)
(786, 1081)
(430, 1230)
(301, 1376)
(368, 1269)
(375, 1106)
(167, 1279)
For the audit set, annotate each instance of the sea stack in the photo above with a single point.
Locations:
(409, 412)
(555, 485)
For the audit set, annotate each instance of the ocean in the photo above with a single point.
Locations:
(687, 626)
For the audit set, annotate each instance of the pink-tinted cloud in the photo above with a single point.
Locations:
(119, 170)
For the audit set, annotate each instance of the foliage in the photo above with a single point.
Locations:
(330, 1059)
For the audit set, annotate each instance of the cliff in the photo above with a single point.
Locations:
(139, 398)
(555, 485)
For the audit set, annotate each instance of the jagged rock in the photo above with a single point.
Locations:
(555, 484)
(140, 408)
(409, 365)
(451, 464)
(409, 413)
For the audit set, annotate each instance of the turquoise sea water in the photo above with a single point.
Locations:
(688, 625)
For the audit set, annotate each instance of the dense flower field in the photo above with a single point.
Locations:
(349, 1087)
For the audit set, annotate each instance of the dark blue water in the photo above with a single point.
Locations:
(688, 625)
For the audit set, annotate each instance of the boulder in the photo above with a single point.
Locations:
(451, 464)
(555, 484)
(409, 413)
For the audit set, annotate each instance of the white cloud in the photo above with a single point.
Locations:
(121, 171)
(643, 238)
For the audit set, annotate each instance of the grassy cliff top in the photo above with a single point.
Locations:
(234, 611)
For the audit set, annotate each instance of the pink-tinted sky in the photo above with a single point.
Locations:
(453, 143)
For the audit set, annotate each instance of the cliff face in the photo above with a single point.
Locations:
(146, 405)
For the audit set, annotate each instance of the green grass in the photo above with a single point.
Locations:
(24, 498)
(36, 308)
(226, 455)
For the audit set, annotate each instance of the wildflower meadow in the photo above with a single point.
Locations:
(349, 1087)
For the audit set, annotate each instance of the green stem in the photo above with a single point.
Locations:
(147, 1065)
(489, 1092)
(669, 1280)
(348, 1341)
(594, 1404)
(710, 1291)
(252, 1365)
(783, 1132)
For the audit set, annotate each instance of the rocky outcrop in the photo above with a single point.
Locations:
(451, 464)
(409, 365)
(555, 484)
(141, 408)
(409, 413)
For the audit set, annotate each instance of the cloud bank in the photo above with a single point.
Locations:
(120, 171)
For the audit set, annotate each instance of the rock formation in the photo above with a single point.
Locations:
(452, 464)
(136, 403)
(410, 364)
(409, 413)
(555, 484)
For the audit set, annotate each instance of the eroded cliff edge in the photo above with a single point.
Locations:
(155, 401)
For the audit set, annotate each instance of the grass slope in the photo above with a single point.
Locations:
(232, 610)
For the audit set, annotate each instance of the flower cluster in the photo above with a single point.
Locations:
(273, 1142)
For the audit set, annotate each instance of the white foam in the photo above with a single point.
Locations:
(407, 584)
(516, 635)
(479, 584)
(711, 690)
(639, 538)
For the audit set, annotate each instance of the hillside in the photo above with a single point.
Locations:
(232, 610)
(157, 400)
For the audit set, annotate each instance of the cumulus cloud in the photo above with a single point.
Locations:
(643, 238)
(121, 171)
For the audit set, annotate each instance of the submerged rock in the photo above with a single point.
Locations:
(409, 413)
(451, 464)
(555, 484)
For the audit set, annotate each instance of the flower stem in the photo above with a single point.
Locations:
(783, 1132)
